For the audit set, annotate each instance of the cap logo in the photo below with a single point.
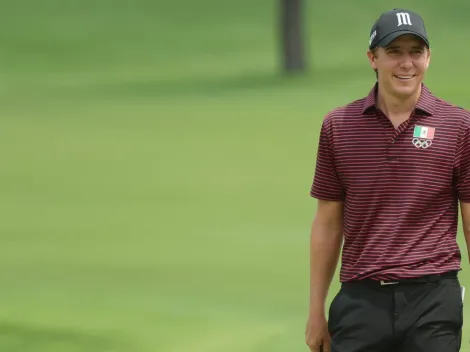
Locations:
(372, 37)
(403, 18)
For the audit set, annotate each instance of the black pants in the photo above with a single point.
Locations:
(408, 317)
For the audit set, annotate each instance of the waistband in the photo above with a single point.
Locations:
(415, 280)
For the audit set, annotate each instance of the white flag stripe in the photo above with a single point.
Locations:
(424, 132)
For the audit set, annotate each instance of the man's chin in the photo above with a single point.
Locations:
(406, 90)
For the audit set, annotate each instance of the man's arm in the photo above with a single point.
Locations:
(465, 213)
(325, 246)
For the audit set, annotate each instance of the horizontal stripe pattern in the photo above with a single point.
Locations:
(401, 202)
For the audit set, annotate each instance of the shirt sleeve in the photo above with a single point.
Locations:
(326, 182)
(462, 167)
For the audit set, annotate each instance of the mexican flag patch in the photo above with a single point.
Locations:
(424, 132)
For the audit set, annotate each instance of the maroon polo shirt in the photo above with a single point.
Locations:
(400, 187)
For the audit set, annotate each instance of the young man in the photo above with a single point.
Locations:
(391, 171)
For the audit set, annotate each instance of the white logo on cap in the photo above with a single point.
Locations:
(372, 37)
(403, 18)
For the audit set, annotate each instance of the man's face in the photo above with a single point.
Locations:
(401, 65)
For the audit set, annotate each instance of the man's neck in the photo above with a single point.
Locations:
(393, 106)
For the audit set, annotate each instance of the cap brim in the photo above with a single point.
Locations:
(392, 36)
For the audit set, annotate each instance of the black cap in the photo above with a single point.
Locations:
(392, 24)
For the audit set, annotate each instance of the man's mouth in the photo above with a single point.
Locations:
(404, 77)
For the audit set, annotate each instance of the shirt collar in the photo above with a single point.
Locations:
(426, 102)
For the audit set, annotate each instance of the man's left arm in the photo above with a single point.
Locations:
(465, 214)
(462, 178)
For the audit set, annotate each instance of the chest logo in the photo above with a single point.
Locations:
(423, 136)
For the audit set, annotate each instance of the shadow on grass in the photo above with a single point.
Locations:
(16, 337)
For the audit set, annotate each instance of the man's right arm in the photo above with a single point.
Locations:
(325, 246)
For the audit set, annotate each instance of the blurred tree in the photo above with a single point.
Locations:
(291, 35)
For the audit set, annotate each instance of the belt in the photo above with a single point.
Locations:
(413, 280)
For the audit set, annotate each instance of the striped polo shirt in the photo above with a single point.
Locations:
(400, 187)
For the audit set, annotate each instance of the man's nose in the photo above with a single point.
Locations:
(407, 61)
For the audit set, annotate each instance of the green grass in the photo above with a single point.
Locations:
(156, 168)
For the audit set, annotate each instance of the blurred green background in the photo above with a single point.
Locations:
(156, 167)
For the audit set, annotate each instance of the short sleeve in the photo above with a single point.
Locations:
(326, 183)
(462, 167)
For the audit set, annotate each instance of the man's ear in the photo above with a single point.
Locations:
(428, 59)
(371, 56)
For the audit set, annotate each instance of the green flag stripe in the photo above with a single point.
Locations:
(417, 132)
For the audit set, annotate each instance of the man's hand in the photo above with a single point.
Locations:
(325, 245)
(317, 336)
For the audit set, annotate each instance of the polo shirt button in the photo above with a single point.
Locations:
(392, 141)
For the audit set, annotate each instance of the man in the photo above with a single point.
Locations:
(391, 171)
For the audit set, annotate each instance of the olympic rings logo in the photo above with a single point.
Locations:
(422, 143)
